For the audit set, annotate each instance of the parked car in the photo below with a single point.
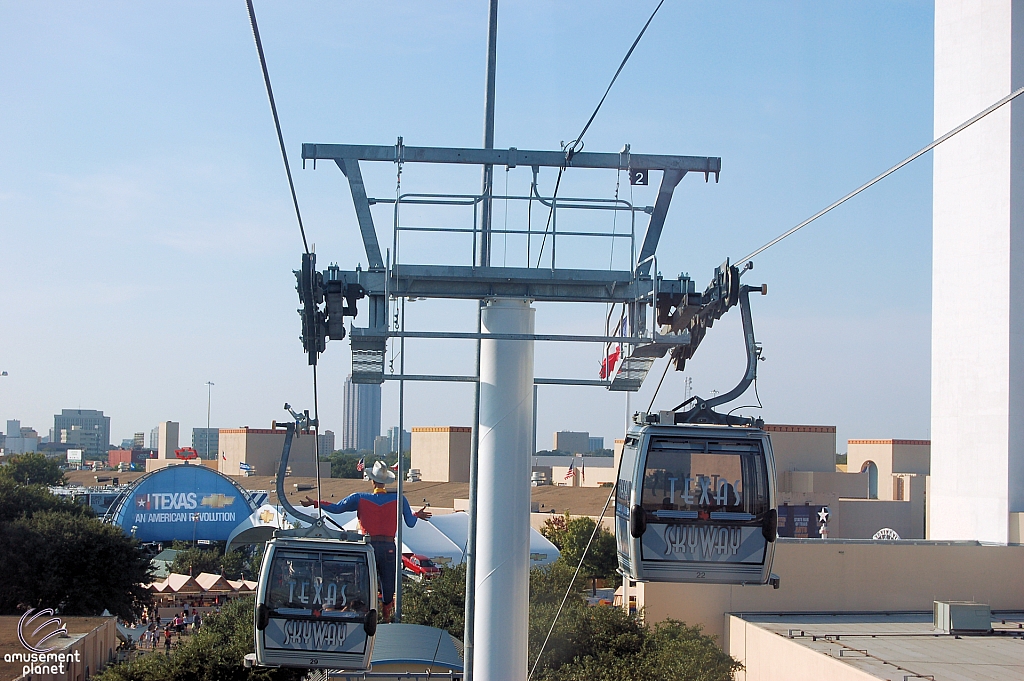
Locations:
(419, 567)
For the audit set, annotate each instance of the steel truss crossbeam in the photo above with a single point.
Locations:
(447, 378)
(538, 284)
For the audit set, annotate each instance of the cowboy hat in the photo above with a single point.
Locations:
(380, 473)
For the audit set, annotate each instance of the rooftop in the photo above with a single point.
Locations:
(902, 645)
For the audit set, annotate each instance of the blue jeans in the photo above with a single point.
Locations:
(385, 554)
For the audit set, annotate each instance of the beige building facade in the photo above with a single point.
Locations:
(441, 453)
(90, 646)
(889, 464)
(848, 576)
(261, 449)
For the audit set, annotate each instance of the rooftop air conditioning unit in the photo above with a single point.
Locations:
(962, 617)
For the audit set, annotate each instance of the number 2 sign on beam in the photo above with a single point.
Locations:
(638, 176)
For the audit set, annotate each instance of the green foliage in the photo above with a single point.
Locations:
(61, 560)
(439, 602)
(23, 501)
(571, 534)
(193, 560)
(841, 459)
(343, 465)
(32, 468)
(215, 653)
(587, 642)
(670, 651)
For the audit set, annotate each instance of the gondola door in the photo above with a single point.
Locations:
(316, 605)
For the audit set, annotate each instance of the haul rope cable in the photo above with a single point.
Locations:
(960, 128)
(302, 231)
(593, 534)
(577, 144)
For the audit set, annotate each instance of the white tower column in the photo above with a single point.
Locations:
(503, 505)
(977, 433)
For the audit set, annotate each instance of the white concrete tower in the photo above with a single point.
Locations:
(977, 484)
(503, 507)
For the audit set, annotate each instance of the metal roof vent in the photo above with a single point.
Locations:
(962, 617)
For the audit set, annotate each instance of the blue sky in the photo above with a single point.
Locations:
(147, 236)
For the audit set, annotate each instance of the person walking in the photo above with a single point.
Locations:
(377, 512)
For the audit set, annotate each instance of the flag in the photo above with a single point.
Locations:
(571, 472)
(608, 363)
(361, 466)
(395, 467)
(244, 466)
(224, 456)
(583, 472)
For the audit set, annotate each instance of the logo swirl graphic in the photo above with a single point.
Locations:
(28, 619)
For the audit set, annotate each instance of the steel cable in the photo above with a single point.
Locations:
(960, 128)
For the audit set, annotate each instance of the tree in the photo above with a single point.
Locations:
(571, 534)
(18, 500)
(439, 602)
(32, 468)
(215, 653)
(60, 560)
(238, 564)
(343, 465)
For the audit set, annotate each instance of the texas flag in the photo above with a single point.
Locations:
(608, 363)
(142, 502)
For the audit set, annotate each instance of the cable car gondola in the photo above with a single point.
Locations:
(316, 603)
(695, 496)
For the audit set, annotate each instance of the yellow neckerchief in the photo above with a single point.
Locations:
(380, 490)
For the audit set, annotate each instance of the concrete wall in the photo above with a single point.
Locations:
(767, 656)
(584, 475)
(852, 576)
(978, 217)
(803, 448)
(853, 485)
(93, 638)
(261, 448)
(441, 453)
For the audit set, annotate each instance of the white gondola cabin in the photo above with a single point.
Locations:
(316, 604)
(696, 503)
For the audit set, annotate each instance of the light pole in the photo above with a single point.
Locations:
(209, 394)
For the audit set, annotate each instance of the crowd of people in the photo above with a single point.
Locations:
(166, 632)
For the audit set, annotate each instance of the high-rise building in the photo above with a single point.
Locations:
(393, 439)
(596, 443)
(154, 438)
(20, 440)
(205, 442)
(167, 439)
(139, 441)
(326, 442)
(362, 415)
(92, 426)
(572, 442)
